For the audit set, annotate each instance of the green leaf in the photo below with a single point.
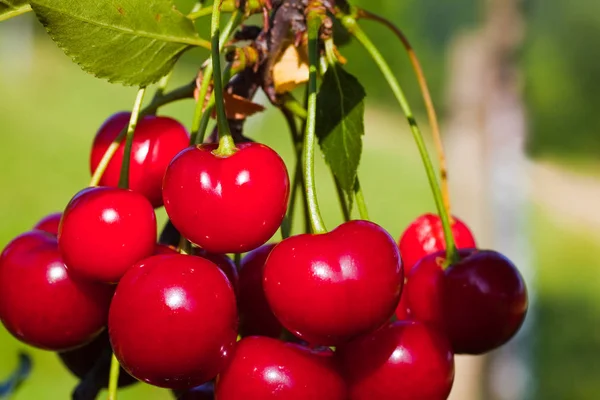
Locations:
(9, 386)
(12, 8)
(134, 42)
(340, 125)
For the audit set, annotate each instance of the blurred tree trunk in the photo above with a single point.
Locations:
(486, 130)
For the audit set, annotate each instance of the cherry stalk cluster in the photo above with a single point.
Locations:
(216, 306)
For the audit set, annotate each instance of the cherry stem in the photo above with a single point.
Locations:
(342, 199)
(113, 380)
(162, 86)
(308, 156)
(286, 226)
(356, 31)
(133, 120)
(360, 201)
(180, 93)
(184, 246)
(431, 113)
(226, 143)
(207, 74)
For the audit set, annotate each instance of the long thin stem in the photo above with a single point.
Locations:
(360, 200)
(342, 199)
(162, 86)
(113, 380)
(431, 114)
(181, 93)
(133, 120)
(308, 156)
(357, 32)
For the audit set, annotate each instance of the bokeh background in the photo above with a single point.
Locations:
(516, 85)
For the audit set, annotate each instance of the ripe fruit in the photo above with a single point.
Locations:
(404, 360)
(82, 360)
(331, 287)
(224, 263)
(227, 204)
(424, 290)
(265, 368)
(256, 317)
(40, 303)
(172, 321)
(425, 236)
(155, 142)
(49, 223)
(104, 231)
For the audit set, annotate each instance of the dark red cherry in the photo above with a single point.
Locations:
(425, 236)
(161, 249)
(224, 263)
(155, 142)
(202, 392)
(104, 231)
(256, 317)
(49, 223)
(404, 360)
(485, 301)
(265, 368)
(402, 309)
(82, 360)
(227, 204)
(173, 320)
(331, 287)
(40, 303)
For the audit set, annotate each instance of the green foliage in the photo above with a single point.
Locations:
(340, 124)
(12, 8)
(131, 42)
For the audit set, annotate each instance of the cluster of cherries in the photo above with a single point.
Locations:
(348, 314)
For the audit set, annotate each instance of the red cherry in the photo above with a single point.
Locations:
(405, 360)
(40, 303)
(105, 230)
(155, 142)
(256, 317)
(172, 321)
(485, 301)
(224, 263)
(82, 360)
(265, 368)
(423, 292)
(426, 236)
(49, 223)
(227, 204)
(402, 310)
(161, 249)
(329, 288)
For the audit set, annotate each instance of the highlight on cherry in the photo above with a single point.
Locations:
(229, 300)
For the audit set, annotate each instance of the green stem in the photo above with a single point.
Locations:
(197, 7)
(360, 201)
(16, 12)
(181, 93)
(135, 114)
(357, 32)
(308, 156)
(113, 380)
(287, 224)
(292, 105)
(162, 86)
(342, 199)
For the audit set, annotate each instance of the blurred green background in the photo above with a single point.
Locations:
(50, 110)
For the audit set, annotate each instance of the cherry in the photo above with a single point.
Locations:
(105, 230)
(404, 360)
(423, 292)
(402, 310)
(161, 249)
(202, 392)
(172, 321)
(155, 142)
(229, 204)
(43, 305)
(425, 235)
(49, 223)
(82, 360)
(224, 263)
(331, 287)
(265, 368)
(256, 317)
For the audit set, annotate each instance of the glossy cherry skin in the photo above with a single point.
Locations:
(49, 223)
(155, 142)
(202, 392)
(82, 360)
(256, 317)
(404, 360)
(265, 368)
(173, 321)
(227, 204)
(104, 231)
(425, 235)
(331, 287)
(41, 304)
(224, 263)
(424, 289)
